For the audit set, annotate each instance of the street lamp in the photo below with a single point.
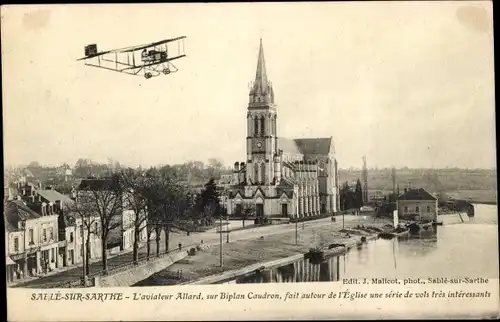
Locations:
(296, 224)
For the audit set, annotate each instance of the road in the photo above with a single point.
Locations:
(210, 237)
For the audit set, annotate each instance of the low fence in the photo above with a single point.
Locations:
(309, 218)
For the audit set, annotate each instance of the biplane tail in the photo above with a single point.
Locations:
(90, 49)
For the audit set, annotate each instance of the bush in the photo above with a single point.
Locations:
(315, 256)
(192, 251)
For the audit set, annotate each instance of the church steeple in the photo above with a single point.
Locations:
(261, 91)
(261, 74)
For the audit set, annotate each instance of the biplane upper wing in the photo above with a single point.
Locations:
(161, 42)
(96, 54)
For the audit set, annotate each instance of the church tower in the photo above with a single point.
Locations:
(261, 127)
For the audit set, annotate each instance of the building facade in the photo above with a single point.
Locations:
(281, 177)
(417, 204)
(32, 240)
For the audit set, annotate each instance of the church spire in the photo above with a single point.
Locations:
(261, 75)
(261, 91)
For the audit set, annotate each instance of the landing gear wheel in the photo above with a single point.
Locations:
(148, 75)
(166, 71)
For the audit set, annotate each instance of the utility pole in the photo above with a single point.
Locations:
(365, 181)
(84, 253)
(343, 213)
(227, 229)
(220, 231)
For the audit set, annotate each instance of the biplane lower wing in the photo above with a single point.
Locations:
(133, 60)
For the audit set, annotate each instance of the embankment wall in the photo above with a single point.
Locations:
(453, 218)
(233, 274)
(136, 274)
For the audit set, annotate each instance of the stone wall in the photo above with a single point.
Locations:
(136, 274)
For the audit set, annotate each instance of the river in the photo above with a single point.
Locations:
(468, 249)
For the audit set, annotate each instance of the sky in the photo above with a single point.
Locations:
(404, 83)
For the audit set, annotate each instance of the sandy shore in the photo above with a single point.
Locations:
(265, 248)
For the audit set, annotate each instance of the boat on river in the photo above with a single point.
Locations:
(390, 234)
(415, 227)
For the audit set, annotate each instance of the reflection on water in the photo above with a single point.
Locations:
(299, 271)
(457, 250)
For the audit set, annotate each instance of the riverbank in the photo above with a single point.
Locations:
(244, 253)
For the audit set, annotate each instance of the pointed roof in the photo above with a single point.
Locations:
(261, 74)
(315, 146)
(307, 146)
(16, 211)
(417, 194)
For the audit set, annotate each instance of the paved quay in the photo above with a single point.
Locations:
(261, 248)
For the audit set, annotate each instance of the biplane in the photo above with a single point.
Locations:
(149, 60)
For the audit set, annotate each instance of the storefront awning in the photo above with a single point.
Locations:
(9, 261)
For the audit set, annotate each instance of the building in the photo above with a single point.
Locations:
(32, 239)
(122, 225)
(417, 204)
(71, 228)
(281, 177)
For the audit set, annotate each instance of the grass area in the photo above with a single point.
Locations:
(266, 248)
(478, 196)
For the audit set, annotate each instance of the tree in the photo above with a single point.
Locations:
(83, 168)
(34, 164)
(103, 197)
(346, 197)
(208, 202)
(214, 168)
(136, 186)
(358, 195)
(82, 209)
(168, 201)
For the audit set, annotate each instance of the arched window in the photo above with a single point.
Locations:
(255, 126)
(262, 172)
(262, 126)
(256, 173)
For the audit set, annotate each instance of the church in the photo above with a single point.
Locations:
(281, 177)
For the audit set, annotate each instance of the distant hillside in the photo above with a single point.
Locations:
(434, 180)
